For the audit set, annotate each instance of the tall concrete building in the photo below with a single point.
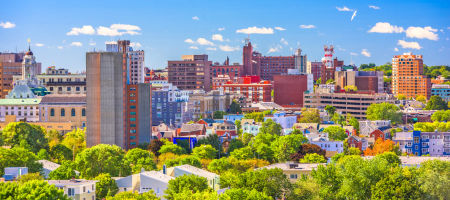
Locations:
(192, 72)
(105, 98)
(135, 62)
(408, 78)
(300, 61)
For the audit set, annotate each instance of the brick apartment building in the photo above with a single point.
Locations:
(289, 88)
(365, 81)
(191, 73)
(408, 78)
(314, 68)
(251, 88)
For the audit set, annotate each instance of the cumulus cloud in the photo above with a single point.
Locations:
(39, 44)
(365, 53)
(280, 28)
(221, 29)
(60, 47)
(113, 30)
(395, 49)
(409, 45)
(228, 48)
(211, 48)
(203, 41)
(76, 44)
(135, 44)
(189, 40)
(385, 27)
(255, 30)
(353, 16)
(193, 47)
(7, 25)
(275, 49)
(422, 33)
(195, 18)
(217, 37)
(374, 7)
(283, 41)
(92, 43)
(84, 30)
(307, 26)
(353, 53)
(343, 9)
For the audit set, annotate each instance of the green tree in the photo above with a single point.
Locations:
(436, 103)
(338, 119)
(401, 97)
(352, 121)
(238, 127)
(18, 157)
(243, 153)
(422, 99)
(261, 145)
(102, 158)
(306, 189)
(155, 146)
(220, 165)
(434, 179)
(205, 152)
(39, 189)
(29, 136)
(350, 88)
(219, 114)
(150, 195)
(246, 138)
(172, 148)
(137, 159)
(400, 183)
(53, 137)
(257, 116)
(310, 115)
(235, 108)
(307, 149)
(330, 81)
(234, 144)
(190, 183)
(313, 158)
(284, 146)
(30, 177)
(441, 115)
(8, 190)
(319, 81)
(43, 155)
(384, 111)
(269, 126)
(335, 133)
(353, 151)
(213, 140)
(64, 172)
(391, 157)
(243, 194)
(106, 186)
(60, 153)
(75, 140)
(184, 160)
(330, 110)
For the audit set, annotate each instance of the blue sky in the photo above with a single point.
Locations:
(379, 29)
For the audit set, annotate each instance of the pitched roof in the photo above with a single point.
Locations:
(197, 171)
(157, 175)
(186, 128)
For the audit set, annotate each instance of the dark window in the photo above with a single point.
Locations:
(63, 112)
(52, 112)
(83, 112)
(73, 112)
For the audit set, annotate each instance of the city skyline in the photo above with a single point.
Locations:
(362, 31)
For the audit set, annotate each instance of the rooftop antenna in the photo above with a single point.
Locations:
(29, 44)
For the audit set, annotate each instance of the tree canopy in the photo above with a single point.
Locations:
(310, 115)
(384, 111)
(139, 159)
(28, 136)
(335, 133)
(102, 158)
(436, 103)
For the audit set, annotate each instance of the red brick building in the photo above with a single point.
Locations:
(251, 88)
(328, 73)
(355, 142)
(289, 88)
(314, 68)
(234, 70)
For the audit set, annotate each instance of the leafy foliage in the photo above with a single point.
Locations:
(204, 152)
(102, 158)
(150, 195)
(313, 158)
(64, 172)
(139, 159)
(335, 133)
(382, 146)
(106, 186)
(271, 127)
(60, 153)
(441, 115)
(191, 183)
(307, 149)
(28, 136)
(33, 189)
(310, 115)
(155, 146)
(18, 157)
(436, 103)
(384, 111)
(172, 148)
(235, 108)
(75, 140)
(219, 114)
(284, 146)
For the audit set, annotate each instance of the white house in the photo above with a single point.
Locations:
(144, 182)
(76, 189)
(213, 179)
(325, 144)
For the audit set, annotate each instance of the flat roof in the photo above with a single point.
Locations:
(12, 102)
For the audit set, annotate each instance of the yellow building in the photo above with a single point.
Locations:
(56, 108)
(62, 127)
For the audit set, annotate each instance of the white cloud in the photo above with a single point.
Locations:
(395, 49)
(60, 47)
(135, 45)
(189, 40)
(39, 44)
(374, 7)
(275, 49)
(385, 27)
(221, 29)
(195, 18)
(217, 37)
(211, 48)
(344, 9)
(353, 16)
(307, 26)
(85, 30)
(76, 44)
(283, 41)
(228, 48)
(353, 53)
(365, 53)
(203, 41)
(7, 25)
(422, 33)
(409, 45)
(280, 28)
(255, 30)
(126, 27)
(193, 47)
(111, 42)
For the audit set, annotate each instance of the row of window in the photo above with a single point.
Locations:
(63, 112)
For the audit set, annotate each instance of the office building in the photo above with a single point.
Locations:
(300, 61)
(193, 72)
(408, 77)
(370, 81)
(442, 90)
(138, 115)
(168, 105)
(225, 69)
(288, 89)
(203, 104)
(135, 60)
(61, 83)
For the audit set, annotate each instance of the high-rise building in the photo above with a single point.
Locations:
(314, 68)
(191, 73)
(251, 88)
(408, 78)
(300, 61)
(139, 115)
(288, 89)
(135, 62)
(249, 65)
(168, 105)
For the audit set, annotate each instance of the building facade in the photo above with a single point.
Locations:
(63, 108)
(193, 72)
(314, 68)
(424, 143)
(135, 60)
(288, 89)
(252, 90)
(442, 90)
(371, 81)
(300, 61)
(62, 83)
(139, 115)
(168, 105)
(408, 78)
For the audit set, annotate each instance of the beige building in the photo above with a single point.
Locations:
(206, 103)
(355, 104)
(294, 171)
(63, 108)
(76, 189)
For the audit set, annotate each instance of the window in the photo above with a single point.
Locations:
(83, 112)
(293, 176)
(132, 137)
(132, 125)
(63, 112)
(132, 101)
(416, 139)
(132, 113)
(69, 88)
(59, 89)
(77, 89)
(70, 192)
(132, 107)
(52, 112)
(73, 112)
(133, 119)
(84, 188)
